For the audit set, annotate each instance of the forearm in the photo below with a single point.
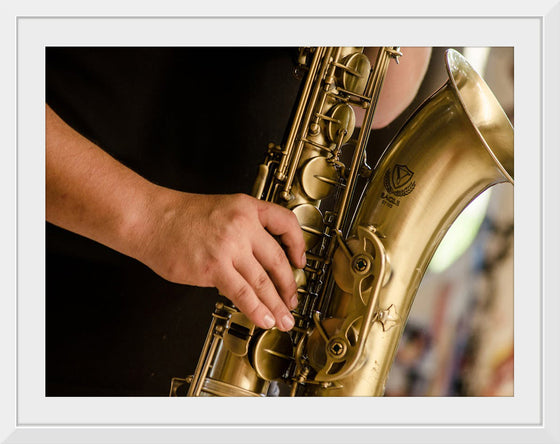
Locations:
(222, 241)
(92, 194)
(401, 83)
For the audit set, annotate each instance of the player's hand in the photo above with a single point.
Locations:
(227, 242)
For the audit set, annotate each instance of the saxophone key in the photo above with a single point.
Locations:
(318, 178)
(272, 354)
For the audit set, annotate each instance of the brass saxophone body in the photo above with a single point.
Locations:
(363, 272)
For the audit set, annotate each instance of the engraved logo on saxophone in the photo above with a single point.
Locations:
(398, 182)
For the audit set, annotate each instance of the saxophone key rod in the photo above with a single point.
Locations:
(373, 89)
(203, 364)
(294, 161)
(358, 98)
(294, 129)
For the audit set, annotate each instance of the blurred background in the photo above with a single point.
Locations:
(459, 337)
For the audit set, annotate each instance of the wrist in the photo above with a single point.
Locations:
(138, 219)
(145, 221)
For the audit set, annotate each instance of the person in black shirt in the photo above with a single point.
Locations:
(149, 152)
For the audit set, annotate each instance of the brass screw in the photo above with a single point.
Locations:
(337, 348)
(314, 129)
(361, 264)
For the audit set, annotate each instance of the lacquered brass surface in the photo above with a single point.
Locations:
(362, 274)
(342, 121)
(311, 222)
(318, 178)
(355, 72)
(273, 353)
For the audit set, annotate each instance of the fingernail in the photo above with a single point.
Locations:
(304, 260)
(268, 321)
(287, 322)
(294, 301)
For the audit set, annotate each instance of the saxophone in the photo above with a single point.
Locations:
(363, 270)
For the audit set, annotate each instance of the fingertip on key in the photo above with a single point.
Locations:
(287, 322)
(303, 260)
(294, 302)
(268, 321)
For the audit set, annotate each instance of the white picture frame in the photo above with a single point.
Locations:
(529, 416)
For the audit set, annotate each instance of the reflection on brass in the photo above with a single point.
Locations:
(342, 121)
(388, 318)
(355, 72)
(273, 353)
(311, 222)
(318, 178)
(299, 277)
(364, 267)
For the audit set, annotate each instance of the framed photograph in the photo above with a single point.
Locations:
(41, 404)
